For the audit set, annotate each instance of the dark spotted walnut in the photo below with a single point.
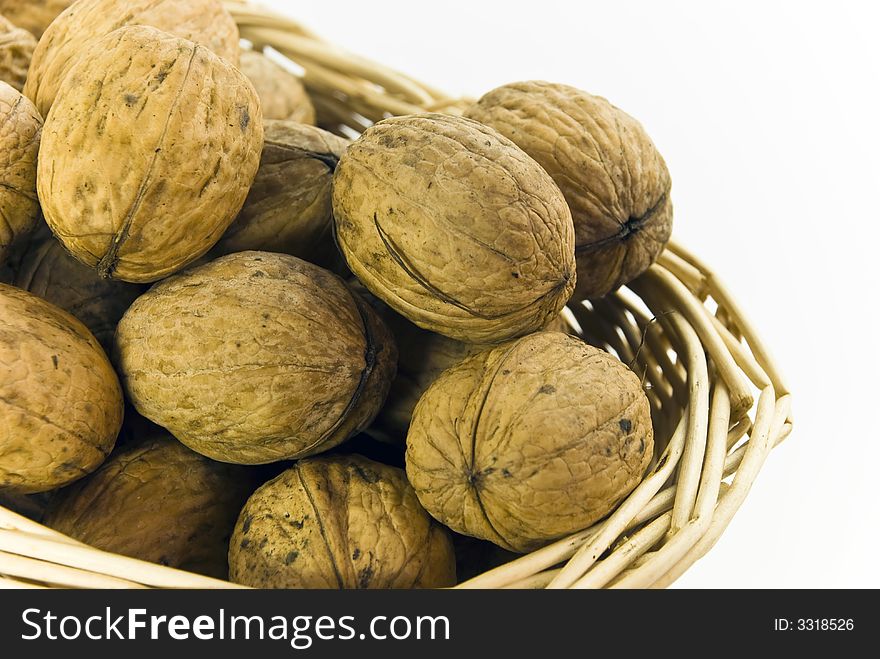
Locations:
(60, 401)
(20, 129)
(529, 441)
(281, 93)
(341, 522)
(47, 270)
(137, 198)
(454, 227)
(16, 49)
(74, 32)
(159, 502)
(612, 176)
(255, 357)
(288, 208)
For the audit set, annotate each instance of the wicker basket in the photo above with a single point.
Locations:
(718, 403)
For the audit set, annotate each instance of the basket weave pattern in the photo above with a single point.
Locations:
(718, 402)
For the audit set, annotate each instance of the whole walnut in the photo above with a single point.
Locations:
(20, 129)
(339, 522)
(281, 93)
(33, 15)
(73, 33)
(613, 178)
(138, 199)
(288, 208)
(159, 502)
(16, 49)
(529, 441)
(47, 270)
(60, 401)
(255, 357)
(454, 227)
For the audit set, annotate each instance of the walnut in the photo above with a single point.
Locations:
(159, 502)
(454, 227)
(612, 176)
(74, 32)
(281, 93)
(288, 208)
(33, 16)
(48, 271)
(60, 401)
(137, 198)
(255, 357)
(16, 49)
(20, 129)
(529, 441)
(340, 522)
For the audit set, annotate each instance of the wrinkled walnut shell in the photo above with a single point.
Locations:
(20, 129)
(282, 94)
(48, 271)
(530, 441)
(255, 357)
(159, 502)
(454, 227)
(60, 401)
(340, 522)
(33, 16)
(16, 49)
(288, 208)
(74, 32)
(138, 199)
(613, 178)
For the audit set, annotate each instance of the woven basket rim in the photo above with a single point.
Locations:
(718, 400)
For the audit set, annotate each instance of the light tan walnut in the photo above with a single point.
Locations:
(454, 227)
(74, 32)
(255, 357)
(20, 130)
(529, 441)
(148, 154)
(60, 401)
(340, 522)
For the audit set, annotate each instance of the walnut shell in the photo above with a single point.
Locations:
(74, 32)
(16, 49)
(33, 16)
(20, 129)
(613, 178)
(159, 502)
(454, 227)
(340, 522)
(288, 208)
(48, 271)
(60, 401)
(138, 199)
(282, 94)
(530, 441)
(255, 357)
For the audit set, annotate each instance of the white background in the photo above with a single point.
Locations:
(768, 117)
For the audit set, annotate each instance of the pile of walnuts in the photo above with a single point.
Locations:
(235, 343)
